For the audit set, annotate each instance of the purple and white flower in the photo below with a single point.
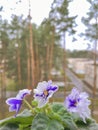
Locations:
(43, 92)
(16, 102)
(77, 102)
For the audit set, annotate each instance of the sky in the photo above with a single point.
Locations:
(78, 7)
(40, 10)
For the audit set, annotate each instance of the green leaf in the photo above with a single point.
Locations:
(69, 123)
(10, 126)
(42, 122)
(56, 107)
(24, 127)
(92, 125)
(80, 122)
(23, 119)
(66, 118)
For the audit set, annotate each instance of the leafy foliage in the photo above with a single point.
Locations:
(55, 118)
(23, 120)
(48, 51)
(90, 21)
(45, 42)
(79, 54)
(41, 121)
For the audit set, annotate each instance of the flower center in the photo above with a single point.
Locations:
(73, 103)
(45, 92)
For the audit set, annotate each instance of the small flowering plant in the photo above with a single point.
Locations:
(73, 114)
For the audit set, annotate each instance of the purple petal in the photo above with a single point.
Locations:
(13, 107)
(44, 91)
(10, 101)
(39, 95)
(52, 88)
(72, 103)
(78, 102)
(15, 104)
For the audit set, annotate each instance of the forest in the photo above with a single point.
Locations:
(28, 52)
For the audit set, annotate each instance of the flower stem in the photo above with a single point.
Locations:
(26, 102)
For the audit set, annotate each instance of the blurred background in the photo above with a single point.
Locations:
(48, 40)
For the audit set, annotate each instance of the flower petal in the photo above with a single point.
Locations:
(15, 104)
(41, 101)
(11, 101)
(44, 91)
(23, 93)
(78, 102)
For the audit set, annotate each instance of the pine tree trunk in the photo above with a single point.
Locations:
(64, 63)
(47, 62)
(37, 65)
(28, 64)
(32, 56)
(95, 72)
(51, 55)
(19, 67)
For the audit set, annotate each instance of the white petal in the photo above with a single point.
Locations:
(22, 92)
(42, 103)
(42, 86)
